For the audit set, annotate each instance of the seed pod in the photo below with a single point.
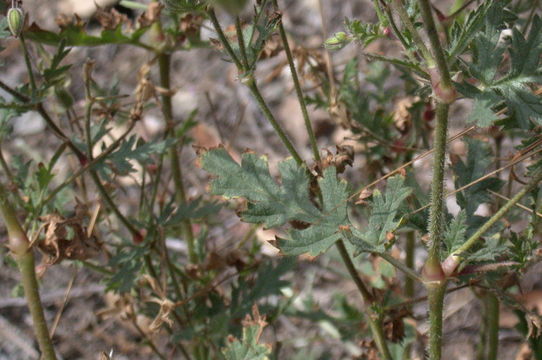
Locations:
(15, 19)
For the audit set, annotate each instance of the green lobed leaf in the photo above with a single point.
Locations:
(269, 203)
(486, 20)
(129, 263)
(455, 233)
(482, 113)
(195, 209)
(514, 88)
(492, 248)
(325, 227)
(266, 282)
(73, 35)
(4, 30)
(523, 245)
(248, 348)
(273, 204)
(120, 160)
(383, 217)
(478, 161)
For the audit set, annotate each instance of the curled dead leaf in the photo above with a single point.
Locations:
(65, 238)
(111, 19)
(344, 156)
(151, 15)
(64, 21)
(163, 316)
(363, 195)
(370, 351)
(402, 118)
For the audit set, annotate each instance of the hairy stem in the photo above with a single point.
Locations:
(28, 63)
(410, 251)
(48, 120)
(436, 216)
(445, 94)
(410, 254)
(93, 173)
(435, 297)
(409, 272)
(492, 315)
(241, 41)
(24, 256)
(441, 80)
(223, 39)
(111, 204)
(86, 167)
(250, 82)
(297, 86)
(398, 7)
(271, 118)
(374, 317)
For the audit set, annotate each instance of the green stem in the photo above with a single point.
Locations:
(445, 94)
(297, 86)
(435, 297)
(223, 39)
(164, 63)
(374, 317)
(24, 256)
(436, 217)
(59, 133)
(241, 42)
(442, 82)
(482, 344)
(48, 120)
(26, 55)
(432, 34)
(364, 291)
(410, 251)
(411, 274)
(111, 204)
(5, 167)
(271, 118)
(86, 167)
(250, 82)
(397, 32)
(94, 175)
(492, 315)
(398, 6)
(375, 323)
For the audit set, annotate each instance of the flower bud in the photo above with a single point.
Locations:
(337, 41)
(15, 19)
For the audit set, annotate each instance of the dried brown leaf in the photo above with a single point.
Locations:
(110, 20)
(402, 118)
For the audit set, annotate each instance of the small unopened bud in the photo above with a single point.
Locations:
(338, 41)
(15, 19)
(386, 31)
